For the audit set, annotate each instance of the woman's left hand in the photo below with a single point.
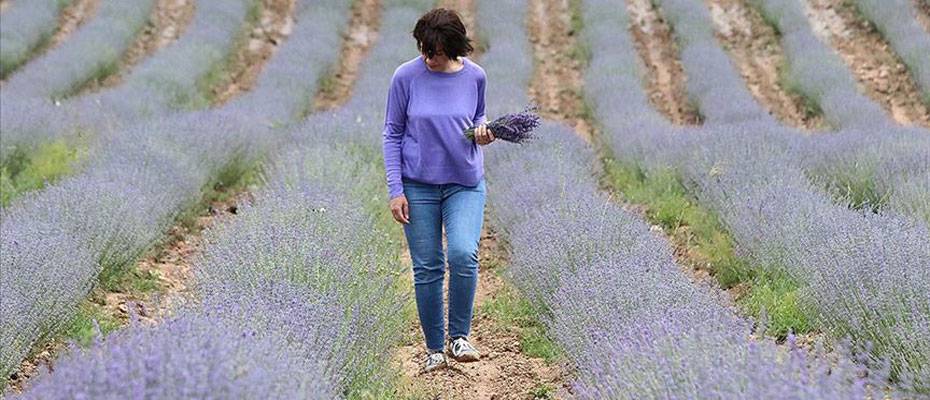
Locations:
(483, 135)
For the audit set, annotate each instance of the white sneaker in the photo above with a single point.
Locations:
(435, 361)
(463, 351)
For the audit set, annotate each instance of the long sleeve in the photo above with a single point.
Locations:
(395, 124)
(480, 116)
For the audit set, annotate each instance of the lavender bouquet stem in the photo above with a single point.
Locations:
(514, 128)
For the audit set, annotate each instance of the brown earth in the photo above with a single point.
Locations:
(356, 43)
(557, 82)
(656, 45)
(756, 50)
(879, 71)
(274, 23)
(503, 372)
(72, 17)
(166, 24)
(923, 13)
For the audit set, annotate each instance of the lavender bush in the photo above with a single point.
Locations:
(897, 21)
(26, 25)
(629, 319)
(104, 217)
(301, 269)
(165, 82)
(751, 175)
(90, 51)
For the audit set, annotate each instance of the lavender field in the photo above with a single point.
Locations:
(726, 199)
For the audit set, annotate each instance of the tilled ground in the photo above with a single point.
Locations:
(879, 71)
(756, 50)
(666, 84)
(356, 43)
(275, 23)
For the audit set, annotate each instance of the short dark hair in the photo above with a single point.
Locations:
(442, 28)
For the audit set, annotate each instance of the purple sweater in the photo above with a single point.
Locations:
(426, 114)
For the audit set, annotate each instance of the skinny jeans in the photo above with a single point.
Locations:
(460, 209)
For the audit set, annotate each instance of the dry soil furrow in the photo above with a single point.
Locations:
(756, 50)
(72, 17)
(166, 24)
(504, 371)
(274, 23)
(923, 13)
(356, 43)
(666, 82)
(879, 71)
(557, 74)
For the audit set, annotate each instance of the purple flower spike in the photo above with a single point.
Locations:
(514, 128)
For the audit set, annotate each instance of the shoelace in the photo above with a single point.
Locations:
(462, 345)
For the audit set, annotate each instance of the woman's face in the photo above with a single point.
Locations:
(438, 61)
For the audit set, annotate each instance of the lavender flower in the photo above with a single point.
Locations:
(514, 127)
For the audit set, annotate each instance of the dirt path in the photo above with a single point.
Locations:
(923, 13)
(72, 17)
(166, 24)
(274, 23)
(879, 71)
(666, 83)
(503, 372)
(756, 50)
(557, 82)
(356, 43)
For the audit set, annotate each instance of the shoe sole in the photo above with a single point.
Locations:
(467, 357)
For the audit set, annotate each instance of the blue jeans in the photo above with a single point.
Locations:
(461, 210)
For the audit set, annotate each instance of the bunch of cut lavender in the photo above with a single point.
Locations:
(515, 128)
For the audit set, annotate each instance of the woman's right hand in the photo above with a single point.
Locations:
(400, 210)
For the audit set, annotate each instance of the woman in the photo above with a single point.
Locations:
(435, 176)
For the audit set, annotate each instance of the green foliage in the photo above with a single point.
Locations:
(778, 296)
(82, 330)
(512, 311)
(27, 170)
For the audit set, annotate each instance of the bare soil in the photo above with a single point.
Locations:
(275, 23)
(166, 24)
(72, 17)
(503, 372)
(879, 71)
(656, 45)
(557, 82)
(923, 13)
(756, 50)
(357, 41)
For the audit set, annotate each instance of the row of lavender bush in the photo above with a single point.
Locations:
(628, 317)
(897, 21)
(873, 160)
(58, 241)
(26, 26)
(861, 273)
(881, 166)
(165, 82)
(302, 278)
(90, 52)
